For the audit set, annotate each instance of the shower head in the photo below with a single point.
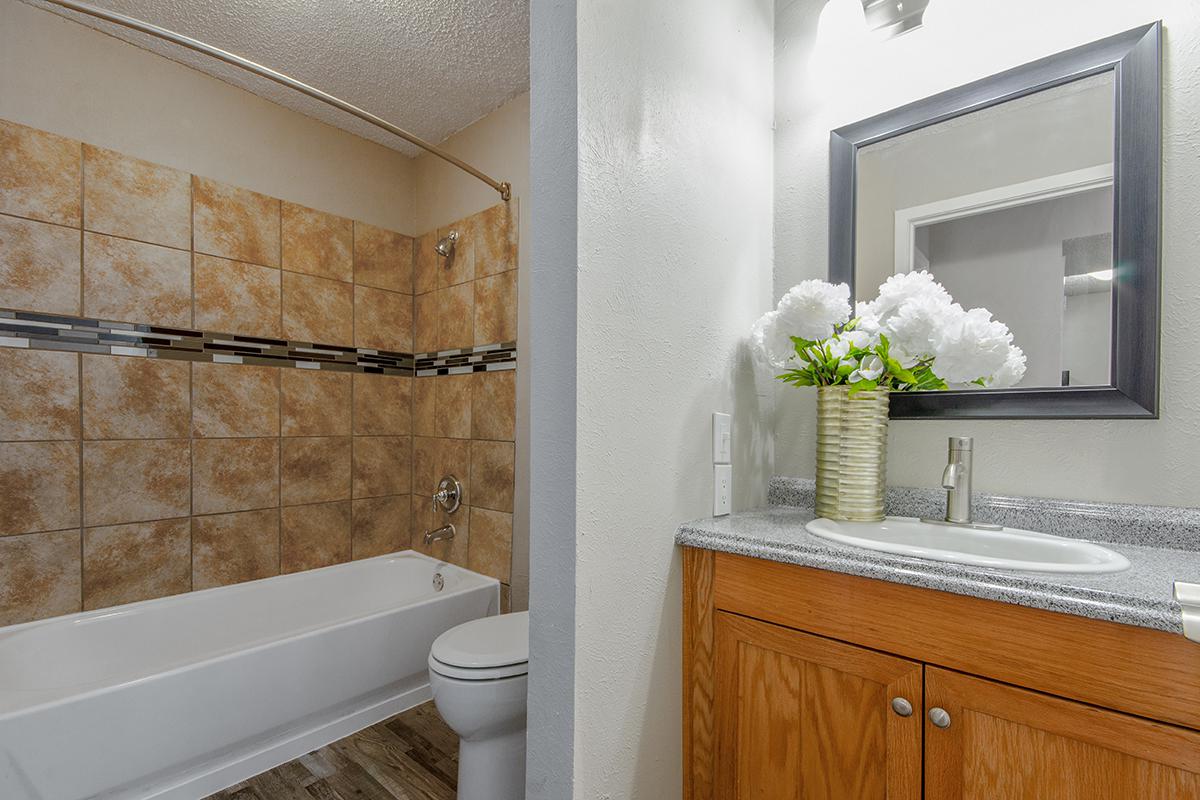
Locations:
(445, 245)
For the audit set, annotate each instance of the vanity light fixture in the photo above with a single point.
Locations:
(889, 18)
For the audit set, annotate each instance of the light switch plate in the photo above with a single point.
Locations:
(722, 436)
(722, 488)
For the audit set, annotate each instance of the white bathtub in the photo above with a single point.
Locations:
(176, 698)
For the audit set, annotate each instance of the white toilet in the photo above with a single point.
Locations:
(478, 673)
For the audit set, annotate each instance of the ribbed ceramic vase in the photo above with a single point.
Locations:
(851, 453)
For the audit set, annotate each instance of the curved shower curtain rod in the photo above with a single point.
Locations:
(503, 187)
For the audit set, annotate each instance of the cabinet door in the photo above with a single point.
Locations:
(1004, 743)
(806, 718)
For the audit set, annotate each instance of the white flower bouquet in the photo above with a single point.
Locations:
(912, 337)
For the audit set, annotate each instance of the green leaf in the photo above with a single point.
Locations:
(896, 369)
(863, 386)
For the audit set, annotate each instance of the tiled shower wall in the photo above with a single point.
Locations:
(128, 478)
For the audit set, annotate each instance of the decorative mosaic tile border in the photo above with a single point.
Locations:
(23, 329)
(484, 358)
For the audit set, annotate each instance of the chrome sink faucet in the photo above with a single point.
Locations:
(956, 480)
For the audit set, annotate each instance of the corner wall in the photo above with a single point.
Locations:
(675, 243)
(830, 72)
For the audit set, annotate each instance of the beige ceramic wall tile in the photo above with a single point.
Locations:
(456, 314)
(492, 469)
(39, 576)
(381, 525)
(382, 465)
(317, 310)
(135, 481)
(235, 223)
(382, 405)
(232, 548)
(453, 550)
(425, 322)
(134, 282)
(127, 563)
(505, 598)
(491, 543)
(315, 403)
(230, 400)
(39, 174)
(39, 486)
(383, 258)
(316, 469)
(460, 266)
(494, 236)
(233, 297)
(382, 319)
(496, 308)
(424, 413)
(453, 405)
(135, 398)
(314, 536)
(437, 458)
(40, 266)
(317, 243)
(128, 197)
(39, 395)
(426, 263)
(494, 405)
(234, 475)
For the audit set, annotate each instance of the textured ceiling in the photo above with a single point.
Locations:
(429, 66)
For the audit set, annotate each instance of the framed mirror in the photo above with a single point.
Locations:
(1033, 193)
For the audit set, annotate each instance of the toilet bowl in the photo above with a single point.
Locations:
(478, 674)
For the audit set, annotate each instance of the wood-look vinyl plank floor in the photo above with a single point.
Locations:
(412, 756)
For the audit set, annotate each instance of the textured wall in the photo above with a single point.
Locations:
(60, 76)
(674, 225)
(829, 72)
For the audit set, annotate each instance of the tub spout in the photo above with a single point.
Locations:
(444, 532)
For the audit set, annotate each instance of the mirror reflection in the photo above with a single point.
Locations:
(1010, 208)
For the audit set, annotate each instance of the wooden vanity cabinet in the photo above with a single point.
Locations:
(798, 684)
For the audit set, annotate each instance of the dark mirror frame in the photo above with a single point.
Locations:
(1135, 59)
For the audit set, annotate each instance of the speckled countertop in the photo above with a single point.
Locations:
(1143, 595)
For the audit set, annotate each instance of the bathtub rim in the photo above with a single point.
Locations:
(92, 689)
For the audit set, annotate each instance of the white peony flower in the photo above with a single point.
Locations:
(914, 329)
(769, 338)
(812, 308)
(973, 346)
(869, 369)
(1011, 372)
(868, 321)
(902, 288)
(838, 347)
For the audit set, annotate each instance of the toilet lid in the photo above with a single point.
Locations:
(485, 643)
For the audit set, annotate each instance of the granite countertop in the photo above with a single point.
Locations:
(1142, 595)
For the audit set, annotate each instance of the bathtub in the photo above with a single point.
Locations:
(174, 699)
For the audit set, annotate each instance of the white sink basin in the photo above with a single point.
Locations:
(1008, 548)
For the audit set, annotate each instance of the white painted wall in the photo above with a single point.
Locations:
(830, 72)
(63, 77)
(674, 226)
(497, 144)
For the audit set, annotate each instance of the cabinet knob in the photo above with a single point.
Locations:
(902, 707)
(939, 717)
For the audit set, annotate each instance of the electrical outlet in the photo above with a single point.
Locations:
(722, 488)
(722, 436)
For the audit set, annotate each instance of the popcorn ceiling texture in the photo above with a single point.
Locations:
(428, 66)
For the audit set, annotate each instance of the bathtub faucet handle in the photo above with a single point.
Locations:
(448, 495)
